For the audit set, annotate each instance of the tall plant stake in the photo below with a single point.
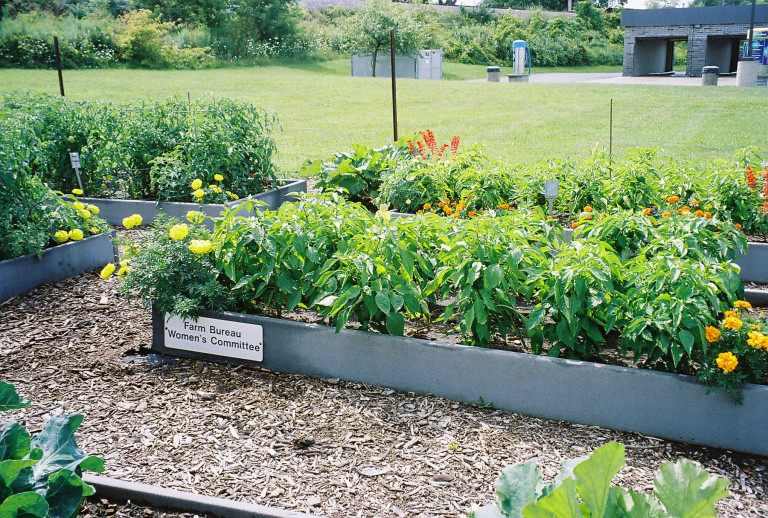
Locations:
(394, 86)
(610, 143)
(58, 64)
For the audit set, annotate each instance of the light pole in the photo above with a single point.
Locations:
(751, 31)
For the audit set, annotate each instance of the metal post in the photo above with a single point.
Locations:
(58, 64)
(751, 31)
(394, 86)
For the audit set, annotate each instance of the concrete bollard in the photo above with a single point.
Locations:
(746, 73)
(709, 76)
(494, 74)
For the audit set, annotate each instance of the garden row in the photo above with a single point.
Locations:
(419, 175)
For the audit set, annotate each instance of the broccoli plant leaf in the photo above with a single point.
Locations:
(638, 505)
(594, 476)
(9, 398)
(59, 449)
(14, 442)
(516, 487)
(566, 471)
(688, 490)
(9, 472)
(65, 493)
(24, 505)
(487, 511)
(563, 502)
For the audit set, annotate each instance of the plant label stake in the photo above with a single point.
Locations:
(394, 85)
(75, 159)
(551, 189)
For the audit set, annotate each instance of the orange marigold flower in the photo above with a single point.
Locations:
(448, 210)
(646, 211)
(679, 211)
(733, 323)
(694, 203)
(587, 209)
(588, 216)
(427, 206)
(738, 226)
(712, 334)
(574, 225)
(708, 215)
(666, 214)
(742, 304)
(727, 361)
(699, 213)
(673, 199)
(731, 314)
(472, 213)
(505, 205)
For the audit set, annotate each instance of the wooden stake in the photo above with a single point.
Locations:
(58, 64)
(394, 86)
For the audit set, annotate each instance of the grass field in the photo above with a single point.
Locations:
(322, 110)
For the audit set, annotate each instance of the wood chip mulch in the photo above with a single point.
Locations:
(324, 447)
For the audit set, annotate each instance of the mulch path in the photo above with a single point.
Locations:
(325, 447)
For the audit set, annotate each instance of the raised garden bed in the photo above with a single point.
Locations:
(113, 211)
(22, 274)
(660, 404)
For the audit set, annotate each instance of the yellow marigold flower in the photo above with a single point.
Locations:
(733, 323)
(75, 234)
(587, 209)
(77, 192)
(61, 236)
(731, 314)
(742, 304)
(212, 186)
(85, 214)
(233, 195)
(712, 334)
(79, 206)
(200, 246)
(94, 230)
(699, 213)
(194, 216)
(665, 214)
(123, 271)
(107, 271)
(673, 199)
(179, 231)
(756, 339)
(646, 211)
(94, 209)
(217, 189)
(727, 361)
(199, 193)
(197, 183)
(132, 221)
(427, 206)
(218, 178)
(124, 262)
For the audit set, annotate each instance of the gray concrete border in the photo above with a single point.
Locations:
(659, 404)
(113, 210)
(159, 497)
(27, 272)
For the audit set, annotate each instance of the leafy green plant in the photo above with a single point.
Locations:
(583, 489)
(40, 474)
(581, 300)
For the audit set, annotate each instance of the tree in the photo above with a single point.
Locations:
(371, 24)
(193, 12)
(263, 19)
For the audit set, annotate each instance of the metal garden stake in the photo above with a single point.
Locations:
(551, 189)
(75, 159)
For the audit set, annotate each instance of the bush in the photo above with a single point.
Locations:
(150, 151)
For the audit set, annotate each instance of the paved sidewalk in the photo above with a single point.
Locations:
(617, 78)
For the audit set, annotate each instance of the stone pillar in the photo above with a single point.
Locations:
(494, 74)
(746, 73)
(709, 76)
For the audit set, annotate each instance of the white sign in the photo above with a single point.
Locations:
(75, 159)
(214, 336)
(550, 188)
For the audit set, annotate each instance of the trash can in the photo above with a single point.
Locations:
(709, 75)
(494, 74)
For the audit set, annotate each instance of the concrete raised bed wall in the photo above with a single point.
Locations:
(659, 404)
(113, 211)
(25, 273)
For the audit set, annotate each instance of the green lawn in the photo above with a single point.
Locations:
(322, 110)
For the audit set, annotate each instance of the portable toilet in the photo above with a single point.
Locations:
(521, 57)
